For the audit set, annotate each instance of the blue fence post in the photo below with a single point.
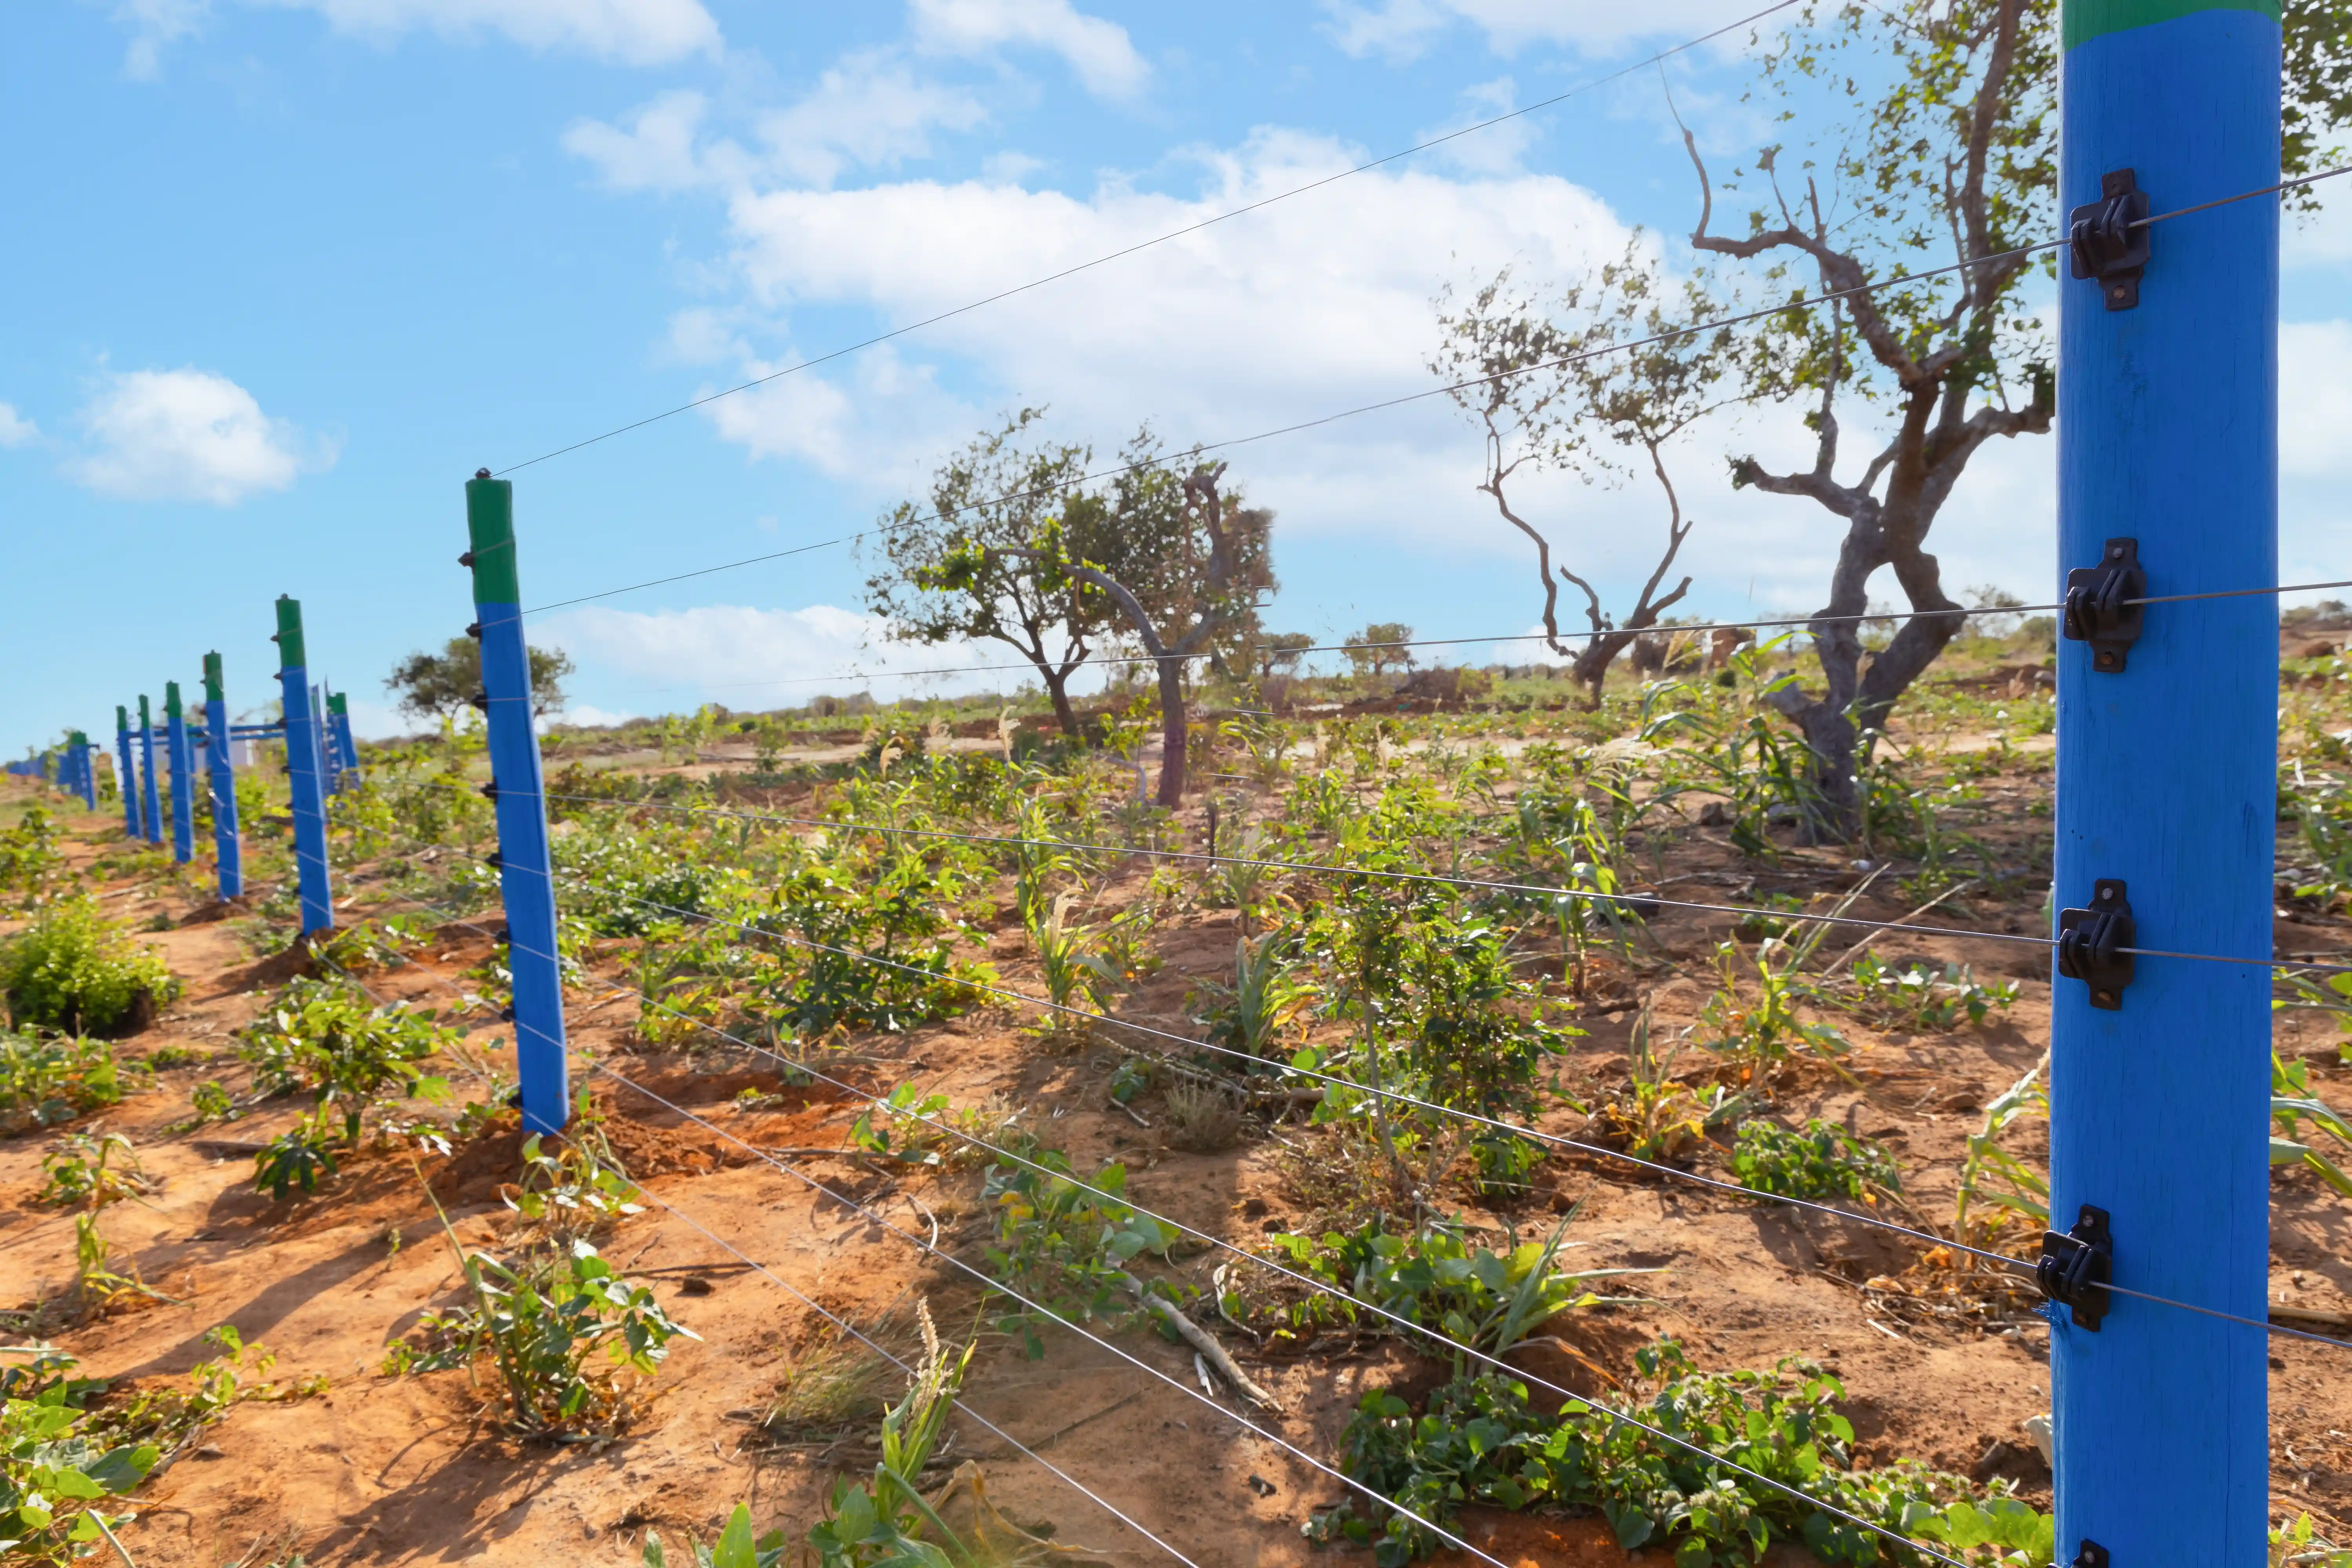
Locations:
(149, 811)
(526, 873)
(310, 801)
(89, 776)
(126, 777)
(220, 772)
(183, 776)
(339, 724)
(2168, 747)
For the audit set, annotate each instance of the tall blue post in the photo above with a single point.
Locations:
(2168, 748)
(88, 777)
(126, 777)
(220, 771)
(183, 776)
(310, 801)
(149, 809)
(526, 874)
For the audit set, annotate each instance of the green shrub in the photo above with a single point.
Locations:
(565, 1339)
(29, 861)
(1481, 1439)
(327, 1038)
(73, 969)
(48, 1079)
(1824, 1160)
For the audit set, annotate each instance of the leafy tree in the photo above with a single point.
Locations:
(1280, 654)
(1938, 146)
(1374, 651)
(996, 495)
(435, 685)
(1538, 381)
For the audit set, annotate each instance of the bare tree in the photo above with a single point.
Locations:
(1548, 392)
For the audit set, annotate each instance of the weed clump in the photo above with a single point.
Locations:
(73, 969)
(1824, 1160)
(46, 1080)
(1484, 1439)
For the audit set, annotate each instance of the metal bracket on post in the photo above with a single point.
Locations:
(2073, 1268)
(2100, 607)
(2091, 1555)
(2089, 942)
(2110, 238)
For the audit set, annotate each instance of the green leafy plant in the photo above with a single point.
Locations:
(1993, 1178)
(210, 1102)
(1752, 1017)
(1078, 981)
(52, 1470)
(1924, 999)
(576, 1190)
(31, 865)
(49, 1078)
(565, 1341)
(1481, 1439)
(1063, 1246)
(73, 969)
(737, 1546)
(327, 1038)
(1824, 1160)
(91, 1171)
(297, 1157)
(1265, 1002)
(1658, 1115)
(2291, 1104)
(1482, 1300)
(887, 1523)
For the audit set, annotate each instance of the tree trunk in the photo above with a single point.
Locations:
(1173, 733)
(1057, 687)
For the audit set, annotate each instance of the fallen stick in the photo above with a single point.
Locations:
(1201, 1340)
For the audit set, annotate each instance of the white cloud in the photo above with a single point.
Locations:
(187, 435)
(1495, 150)
(14, 429)
(1401, 29)
(154, 24)
(750, 657)
(625, 32)
(2315, 399)
(628, 32)
(1303, 308)
(867, 111)
(1098, 51)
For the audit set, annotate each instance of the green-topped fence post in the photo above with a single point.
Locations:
(151, 811)
(126, 777)
(220, 772)
(184, 769)
(526, 873)
(310, 801)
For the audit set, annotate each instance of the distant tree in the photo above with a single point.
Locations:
(1280, 654)
(1179, 558)
(435, 685)
(949, 577)
(1372, 651)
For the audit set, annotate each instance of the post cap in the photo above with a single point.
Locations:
(172, 700)
(490, 530)
(213, 692)
(289, 639)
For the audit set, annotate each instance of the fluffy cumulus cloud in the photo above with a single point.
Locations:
(15, 430)
(754, 659)
(627, 31)
(1098, 52)
(1401, 29)
(867, 111)
(187, 436)
(1303, 308)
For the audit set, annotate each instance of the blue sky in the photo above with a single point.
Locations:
(287, 271)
